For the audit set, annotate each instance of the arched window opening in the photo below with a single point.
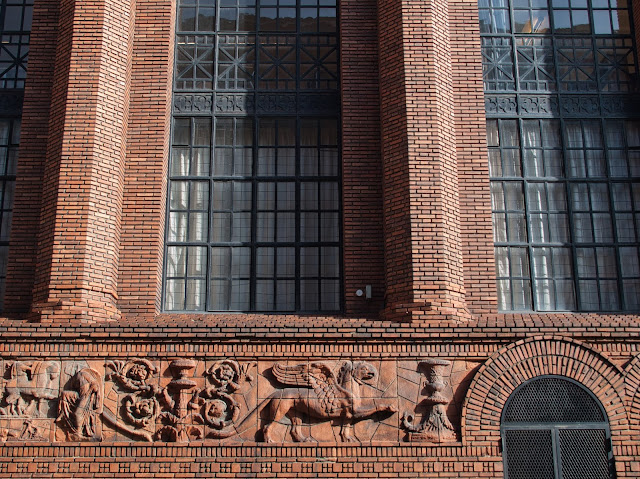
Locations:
(554, 428)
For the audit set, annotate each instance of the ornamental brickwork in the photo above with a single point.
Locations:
(410, 380)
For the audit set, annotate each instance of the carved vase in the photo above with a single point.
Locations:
(435, 427)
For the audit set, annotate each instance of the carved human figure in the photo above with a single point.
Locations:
(79, 408)
(27, 431)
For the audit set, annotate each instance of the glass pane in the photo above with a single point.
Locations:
(253, 179)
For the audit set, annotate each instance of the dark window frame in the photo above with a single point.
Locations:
(248, 99)
(509, 96)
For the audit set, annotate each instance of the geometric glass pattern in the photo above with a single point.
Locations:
(565, 179)
(241, 45)
(9, 139)
(254, 209)
(15, 25)
(591, 42)
(552, 427)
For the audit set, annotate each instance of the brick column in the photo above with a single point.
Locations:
(424, 270)
(78, 245)
(473, 164)
(143, 216)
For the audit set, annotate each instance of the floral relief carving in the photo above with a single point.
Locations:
(140, 412)
(217, 408)
(182, 400)
(140, 408)
(132, 375)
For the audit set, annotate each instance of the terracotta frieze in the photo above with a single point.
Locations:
(198, 399)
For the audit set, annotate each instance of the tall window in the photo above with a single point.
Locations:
(564, 153)
(254, 181)
(15, 25)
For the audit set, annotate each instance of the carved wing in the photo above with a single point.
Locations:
(318, 376)
(303, 375)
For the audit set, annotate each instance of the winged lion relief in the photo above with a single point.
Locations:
(318, 393)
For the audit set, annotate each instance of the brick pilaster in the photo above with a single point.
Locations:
(473, 164)
(422, 208)
(143, 215)
(78, 245)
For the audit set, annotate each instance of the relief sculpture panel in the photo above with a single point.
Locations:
(28, 394)
(319, 393)
(435, 425)
(190, 399)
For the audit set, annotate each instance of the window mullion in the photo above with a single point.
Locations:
(527, 217)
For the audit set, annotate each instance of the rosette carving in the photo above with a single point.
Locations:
(140, 412)
(132, 375)
(216, 406)
(139, 409)
(227, 375)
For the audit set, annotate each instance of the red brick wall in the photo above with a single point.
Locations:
(415, 180)
(141, 247)
(421, 233)
(363, 249)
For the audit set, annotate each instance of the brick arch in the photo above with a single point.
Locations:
(511, 366)
(632, 388)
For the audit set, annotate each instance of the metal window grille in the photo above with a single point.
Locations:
(15, 26)
(564, 153)
(553, 428)
(9, 140)
(254, 183)
(15, 20)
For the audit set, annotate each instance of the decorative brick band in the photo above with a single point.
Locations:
(632, 389)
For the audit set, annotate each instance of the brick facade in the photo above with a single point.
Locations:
(84, 282)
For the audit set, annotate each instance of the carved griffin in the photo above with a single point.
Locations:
(319, 393)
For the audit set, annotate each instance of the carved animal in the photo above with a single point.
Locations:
(321, 394)
(30, 384)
